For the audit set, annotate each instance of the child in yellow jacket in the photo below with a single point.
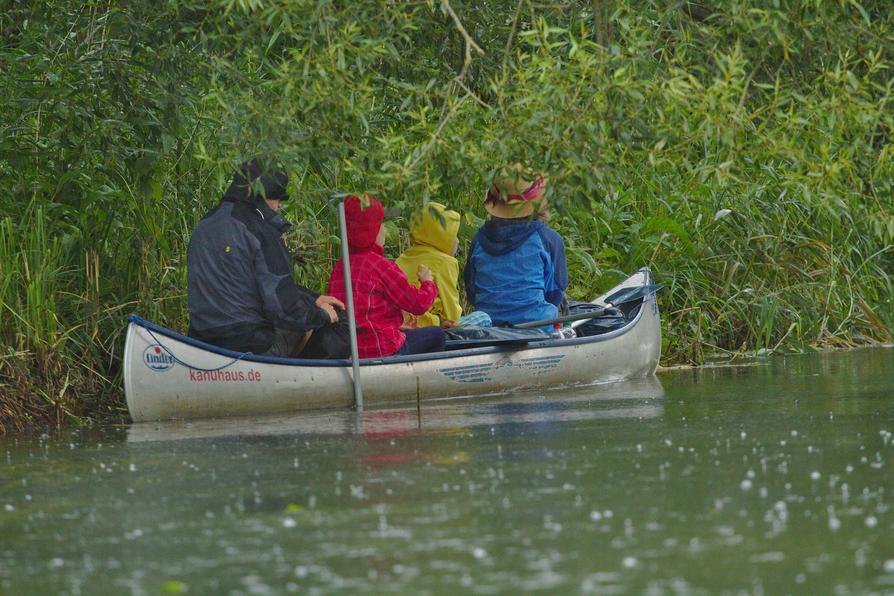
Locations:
(433, 236)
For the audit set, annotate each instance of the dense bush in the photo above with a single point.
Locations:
(742, 151)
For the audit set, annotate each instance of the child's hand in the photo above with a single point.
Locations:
(411, 321)
(448, 324)
(424, 274)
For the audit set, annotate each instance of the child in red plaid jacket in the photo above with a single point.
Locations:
(381, 290)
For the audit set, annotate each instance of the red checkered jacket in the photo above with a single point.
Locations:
(381, 294)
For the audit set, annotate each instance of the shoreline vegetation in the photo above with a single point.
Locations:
(744, 153)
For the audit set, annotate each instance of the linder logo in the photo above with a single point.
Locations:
(157, 359)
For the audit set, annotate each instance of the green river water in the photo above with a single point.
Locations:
(770, 477)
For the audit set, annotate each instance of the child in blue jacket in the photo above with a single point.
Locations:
(516, 269)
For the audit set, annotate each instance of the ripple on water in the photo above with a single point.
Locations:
(464, 501)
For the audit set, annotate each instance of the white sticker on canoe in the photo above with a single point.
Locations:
(480, 373)
(156, 358)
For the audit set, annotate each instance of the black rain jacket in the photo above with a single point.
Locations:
(239, 279)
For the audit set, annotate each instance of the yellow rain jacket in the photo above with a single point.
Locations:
(432, 237)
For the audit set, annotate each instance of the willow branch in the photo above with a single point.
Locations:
(511, 37)
(434, 137)
(470, 43)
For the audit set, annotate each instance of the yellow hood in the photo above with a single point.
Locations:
(436, 226)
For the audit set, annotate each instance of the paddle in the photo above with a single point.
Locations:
(349, 296)
(625, 295)
(470, 337)
(563, 319)
(622, 296)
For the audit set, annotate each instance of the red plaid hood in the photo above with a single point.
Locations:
(363, 217)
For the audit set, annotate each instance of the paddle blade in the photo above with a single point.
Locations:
(625, 295)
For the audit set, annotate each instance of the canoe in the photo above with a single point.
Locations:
(170, 376)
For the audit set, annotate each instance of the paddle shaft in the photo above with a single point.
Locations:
(564, 319)
(349, 299)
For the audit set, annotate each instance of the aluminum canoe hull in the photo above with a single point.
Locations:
(168, 376)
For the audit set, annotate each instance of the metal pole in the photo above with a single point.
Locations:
(349, 295)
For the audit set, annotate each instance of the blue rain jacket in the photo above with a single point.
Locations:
(516, 271)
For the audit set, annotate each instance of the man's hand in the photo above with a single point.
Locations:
(321, 300)
(424, 274)
(328, 304)
(448, 324)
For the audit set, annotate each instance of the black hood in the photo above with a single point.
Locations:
(252, 174)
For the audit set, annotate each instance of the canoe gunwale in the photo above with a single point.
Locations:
(154, 328)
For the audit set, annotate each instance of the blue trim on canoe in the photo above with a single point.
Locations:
(249, 357)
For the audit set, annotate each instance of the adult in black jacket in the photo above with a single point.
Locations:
(242, 295)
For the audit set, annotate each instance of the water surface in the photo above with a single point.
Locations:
(767, 477)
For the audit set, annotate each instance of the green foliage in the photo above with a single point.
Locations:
(743, 152)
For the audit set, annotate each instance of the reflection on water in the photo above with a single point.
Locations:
(636, 398)
(773, 478)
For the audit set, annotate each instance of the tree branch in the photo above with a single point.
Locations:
(470, 43)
